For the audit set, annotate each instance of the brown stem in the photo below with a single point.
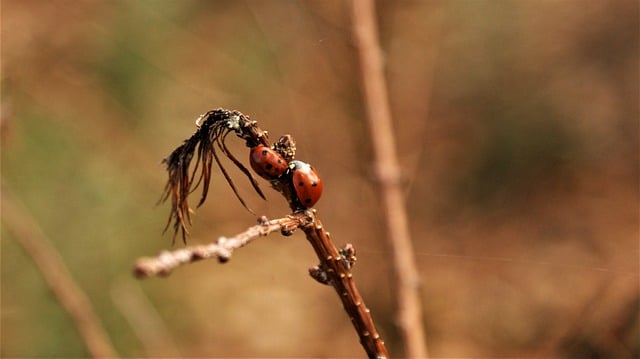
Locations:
(222, 249)
(339, 276)
(145, 320)
(335, 266)
(387, 171)
(27, 233)
(332, 262)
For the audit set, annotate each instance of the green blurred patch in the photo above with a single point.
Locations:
(256, 60)
(121, 72)
(525, 149)
(126, 65)
(96, 215)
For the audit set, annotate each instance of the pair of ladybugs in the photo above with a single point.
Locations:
(270, 165)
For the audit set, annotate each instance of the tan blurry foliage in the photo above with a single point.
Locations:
(521, 186)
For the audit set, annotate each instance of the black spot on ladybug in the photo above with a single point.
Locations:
(264, 152)
(301, 184)
(269, 166)
(314, 184)
(308, 200)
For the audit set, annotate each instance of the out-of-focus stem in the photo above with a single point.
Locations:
(29, 236)
(409, 311)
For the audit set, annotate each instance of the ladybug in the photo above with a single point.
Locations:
(306, 182)
(267, 163)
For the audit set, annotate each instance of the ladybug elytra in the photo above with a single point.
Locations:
(267, 163)
(306, 182)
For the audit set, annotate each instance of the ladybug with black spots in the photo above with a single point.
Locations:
(267, 163)
(306, 182)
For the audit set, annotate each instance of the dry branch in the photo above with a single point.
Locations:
(409, 311)
(337, 269)
(335, 265)
(29, 236)
(222, 249)
(334, 268)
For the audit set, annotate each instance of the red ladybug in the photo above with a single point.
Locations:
(266, 162)
(306, 182)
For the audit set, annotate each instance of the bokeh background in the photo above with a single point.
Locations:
(517, 130)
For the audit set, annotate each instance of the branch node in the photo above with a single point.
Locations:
(198, 253)
(286, 232)
(224, 255)
(320, 275)
(348, 256)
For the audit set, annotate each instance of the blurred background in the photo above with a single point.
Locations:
(517, 130)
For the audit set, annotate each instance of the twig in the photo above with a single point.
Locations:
(406, 277)
(335, 265)
(222, 249)
(145, 321)
(334, 268)
(337, 269)
(27, 233)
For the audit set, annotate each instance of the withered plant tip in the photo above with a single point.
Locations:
(335, 265)
(212, 130)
